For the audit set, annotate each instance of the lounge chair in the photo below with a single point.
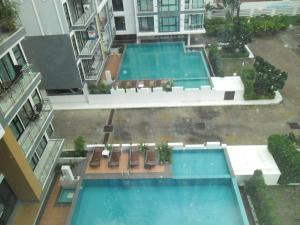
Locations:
(150, 158)
(114, 157)
(134, 156)
(97, 154)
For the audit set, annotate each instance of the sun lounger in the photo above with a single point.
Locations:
(97, 154)
(150, 158)
(134, 156)
(114, 157)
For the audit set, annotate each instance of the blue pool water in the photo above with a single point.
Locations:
(198, 163)
(213, 199)
(164, 61)
(65, 196)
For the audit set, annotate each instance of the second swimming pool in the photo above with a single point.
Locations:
(164, 61)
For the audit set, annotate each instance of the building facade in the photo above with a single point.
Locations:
(152, 20)
(68, 41)
(28, 153)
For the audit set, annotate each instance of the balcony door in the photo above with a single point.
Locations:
(7, 70)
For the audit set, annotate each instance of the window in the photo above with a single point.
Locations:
(118, 5)
(41, 147)
(168, 24)
(187, 4)
(36, 97)
(16, 127)
(146, 23)
(7, 71)
(34, 161)
(19, 55)
(168, 5)
(197, 4)
(8, 199)
(145, 5)
(120, 23)
(49, 131)
(192, 22)
(67, 14)
(26, 113)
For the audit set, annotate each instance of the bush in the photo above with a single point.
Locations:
(228, 53)
(212, 26)
(79, 146)
(284, 150)
(102, 88)
(247, 77)
(215, 60)
(165, 153)
(73, 154)
(8, 15)
(264, 205)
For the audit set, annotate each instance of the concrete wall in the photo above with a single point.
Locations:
(129, 15)
(43, 17)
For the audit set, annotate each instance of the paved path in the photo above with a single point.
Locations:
(229, 124)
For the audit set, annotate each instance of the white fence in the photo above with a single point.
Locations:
(271, 8)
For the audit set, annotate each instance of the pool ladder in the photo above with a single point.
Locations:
(124, 173)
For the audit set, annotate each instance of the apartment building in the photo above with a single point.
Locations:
(68, 41)
(28, 153)
(151, 20)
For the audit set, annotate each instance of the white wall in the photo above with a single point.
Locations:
(129, 14)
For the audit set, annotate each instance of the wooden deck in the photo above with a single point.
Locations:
(123, 167)
(112, 64)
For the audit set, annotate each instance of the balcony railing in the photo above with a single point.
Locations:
(94, 73)
(83, 21)
(11, 92)
(48, 160)
(36, 125)
(89, 48)
(193, 27)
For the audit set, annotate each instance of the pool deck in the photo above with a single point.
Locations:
(112, 64)
(104, 171)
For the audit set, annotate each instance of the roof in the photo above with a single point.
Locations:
(233, 83)
(245, 159)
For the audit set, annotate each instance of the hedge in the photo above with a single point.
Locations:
(215, 60)
(247, 77)
(284, 151)
(263, 203)
(99, 89)
(227, 53)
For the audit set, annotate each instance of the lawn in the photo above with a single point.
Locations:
(287, 199)
(231, 66)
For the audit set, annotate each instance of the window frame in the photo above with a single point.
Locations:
(147, 19)
(149, 7)
(168, 25)
(166, 7)
(19, 56)
(124, 23)
(119, 4)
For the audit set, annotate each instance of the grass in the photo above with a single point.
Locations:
(287, 199)
(231, 66)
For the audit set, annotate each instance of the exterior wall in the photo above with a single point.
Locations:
(43, 17)
(16, 169)
(130, 20)
(53, 56)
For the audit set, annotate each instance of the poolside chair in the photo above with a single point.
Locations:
(134, 156)
(150, 158)
(97, 154)
(114, 157)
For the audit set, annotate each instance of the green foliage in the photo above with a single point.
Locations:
(168, 86)
(284, 150)
(143, 148)
(240, 36)
(8, 15)
(68, 154)
(215, 60)
(263, 203)
(109, 147)
(165, 153)
(212, 26)
(263, 81)
(79, 146)
(102, 88)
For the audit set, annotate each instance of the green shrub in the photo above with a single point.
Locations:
(165, 153)
(102, 88)
(284, 150)
(79, 146)
(247, 76)
(8, 15)
(228, 53)
(213, 25)
(263, 203)
(215, 60)
(168, 86)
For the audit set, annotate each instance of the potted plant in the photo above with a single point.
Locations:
(165, 153)
(168, 86)
(8, 15)
(143, 148)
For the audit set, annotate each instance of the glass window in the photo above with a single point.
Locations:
(26, 113)
(168, 24)
(118, 5)
(41, 147)
(19, 55)
(187, 4)
(8, 199)
(145, 5)
(196, 4)
(120, 23)
(36, 97)
(146, 23)
(192, 22)
(49, 131)
(168, 5)
(16, 127)
(34, 161)
(7, 71)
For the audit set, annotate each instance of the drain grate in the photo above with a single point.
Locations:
(294, 125)
(108, 128)
(200, 126)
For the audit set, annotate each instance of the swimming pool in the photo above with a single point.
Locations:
(164, 61)
(210, 199)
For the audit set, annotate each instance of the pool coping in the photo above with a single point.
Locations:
(201, 52)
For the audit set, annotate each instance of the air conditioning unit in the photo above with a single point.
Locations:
(86, 7)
